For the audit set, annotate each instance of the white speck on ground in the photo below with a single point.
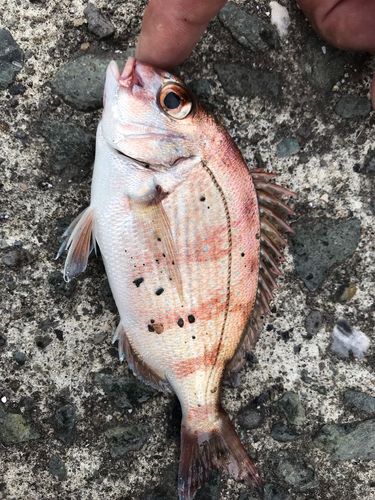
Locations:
(346, 339)
(280, 18)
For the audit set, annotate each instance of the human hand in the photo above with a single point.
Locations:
(348, 25)
(172, 28)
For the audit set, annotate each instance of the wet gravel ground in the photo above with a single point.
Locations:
(74, 422)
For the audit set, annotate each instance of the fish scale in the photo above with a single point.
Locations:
(191, 253)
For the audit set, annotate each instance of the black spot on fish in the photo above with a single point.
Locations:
(193, 337)
(242, 254)
(138, 281)
(202, 198)
(180, 322)
(163, 254)
(150, 328)
(152, 321)
(159, 239)
(159, 291)
(191, 318)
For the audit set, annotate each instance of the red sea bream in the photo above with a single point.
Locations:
(190, 242)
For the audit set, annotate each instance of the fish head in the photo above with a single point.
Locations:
(149, 114)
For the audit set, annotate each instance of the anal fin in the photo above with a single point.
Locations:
(140, 369)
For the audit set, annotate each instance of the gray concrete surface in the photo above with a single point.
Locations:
(74, 423)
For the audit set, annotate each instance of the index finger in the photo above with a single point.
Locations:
(172, 28)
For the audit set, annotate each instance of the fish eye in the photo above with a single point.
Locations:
(175, 101)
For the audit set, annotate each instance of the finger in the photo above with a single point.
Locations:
(347, 24)
(172, 28)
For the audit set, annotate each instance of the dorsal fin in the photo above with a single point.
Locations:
(271, 211)
(138, 367)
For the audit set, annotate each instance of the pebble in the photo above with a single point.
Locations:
(122, 440)
(65, 419)
(244, 81)
(287, 147)
(320, 243)
(352, 441)
(353, 106)
(295, 471)
(15, 429)
(250, 417)
(81, 82)
(313, 323)
(323, 70)
(98, 24)
(280, 432)
(347, 340)
(10, 58)
(99, 338)
(57, 467)
(272, 492)
(4, 399)
(292, 408)
(250, 31)
(19, 357)
(201, 88)
(360, 400)
(72, 149)
(125, 391)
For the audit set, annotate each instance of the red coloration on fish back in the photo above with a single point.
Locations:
(191, 253)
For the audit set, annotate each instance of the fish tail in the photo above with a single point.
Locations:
(216, 447)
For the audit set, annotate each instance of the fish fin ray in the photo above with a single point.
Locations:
(140, 369)
(220, 448)
(269, 258)
(79, 243)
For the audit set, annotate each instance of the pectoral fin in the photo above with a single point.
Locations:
(79, 243)
(155, 227)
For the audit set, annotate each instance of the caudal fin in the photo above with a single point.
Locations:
(217, 448)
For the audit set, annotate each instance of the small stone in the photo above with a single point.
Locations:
(201, 88)
(126, 392)
(10, 58)
(292, 408)
(244, 81)
(313, 322)
(347, 339)
(85, 46)
(42, 341)
(99, 338)
(98, 24)
(280, 18)
(319, 243)
(272, 492)
(250, 417)
(360, 400)
(287, 147)
(14, 429)
(295, 471)
(250, 31)
(56, 279)
(72, 149)
(353, 441)
(81, 82)
(65, 422)
(17, 89)
(352, 106)
(348, 293)
(282, 433)
(19, 357)
(57, 467)
(122, 440)
(322, 70)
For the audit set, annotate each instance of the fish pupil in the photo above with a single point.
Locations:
(172, 100)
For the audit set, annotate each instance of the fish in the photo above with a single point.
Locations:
(191, 241)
